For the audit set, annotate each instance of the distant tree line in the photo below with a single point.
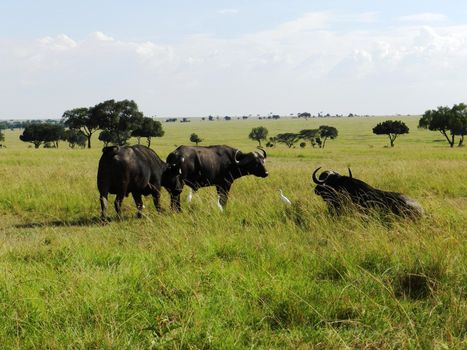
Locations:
(307, 115)
(21, 124)
(116, 120)
(304, 115)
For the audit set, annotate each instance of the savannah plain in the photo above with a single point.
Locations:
(260, 275)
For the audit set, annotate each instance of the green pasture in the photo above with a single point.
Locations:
(260, 275)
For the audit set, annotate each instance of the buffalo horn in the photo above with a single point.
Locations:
(350, 173)
(264, 152)
(235, 156)
(315, 179)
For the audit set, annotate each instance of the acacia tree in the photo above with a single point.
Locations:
(317, 141)
(43, 133)
(304, 115)
(438, 120)
(327, 132)
(81, 119)
(258, 134)
(75, 138)
(119, 118)
(107, 137)
(195, 138)
(32, 133)
(289, 138)
(148, 128)
(450, 122)
(459, 122)
(309, 135)
(392, 128)
(272, 142)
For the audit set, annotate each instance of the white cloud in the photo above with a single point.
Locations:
(101, 36)
(303, 64)
(60, 42)
(228, 11)
(424, 17)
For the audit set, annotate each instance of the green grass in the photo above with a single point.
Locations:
(259, 275)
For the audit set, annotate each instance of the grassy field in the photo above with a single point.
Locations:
(259, 275)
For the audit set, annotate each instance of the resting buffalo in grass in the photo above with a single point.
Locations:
(214, 166)
(338, 190)
(133, 169)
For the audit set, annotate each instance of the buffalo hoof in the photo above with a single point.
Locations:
(104, 220)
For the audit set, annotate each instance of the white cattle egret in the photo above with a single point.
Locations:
(190, 196)
(219, 203)
(285, 199)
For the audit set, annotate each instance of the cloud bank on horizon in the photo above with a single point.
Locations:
(331, 61)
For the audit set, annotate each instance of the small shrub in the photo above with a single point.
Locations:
(413, 286)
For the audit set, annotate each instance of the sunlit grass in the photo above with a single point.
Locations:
(259, 275)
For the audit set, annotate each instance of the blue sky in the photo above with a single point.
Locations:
(168, 20)
(195, 58)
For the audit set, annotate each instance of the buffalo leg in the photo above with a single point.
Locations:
(223, 193)
(104, 204)
(175, 200)
(118, 205)
(139, 204)
(156, 197)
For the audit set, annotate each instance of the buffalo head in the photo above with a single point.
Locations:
(329, 182)
(251, 163)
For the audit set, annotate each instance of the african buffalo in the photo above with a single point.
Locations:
(338, 190)
(214, 166)
(133, 169)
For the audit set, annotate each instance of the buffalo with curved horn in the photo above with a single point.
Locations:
(214, 166)
(338, 190)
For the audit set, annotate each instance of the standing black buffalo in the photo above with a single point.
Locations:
(133, 169)
(214, 166)
(338, 190)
